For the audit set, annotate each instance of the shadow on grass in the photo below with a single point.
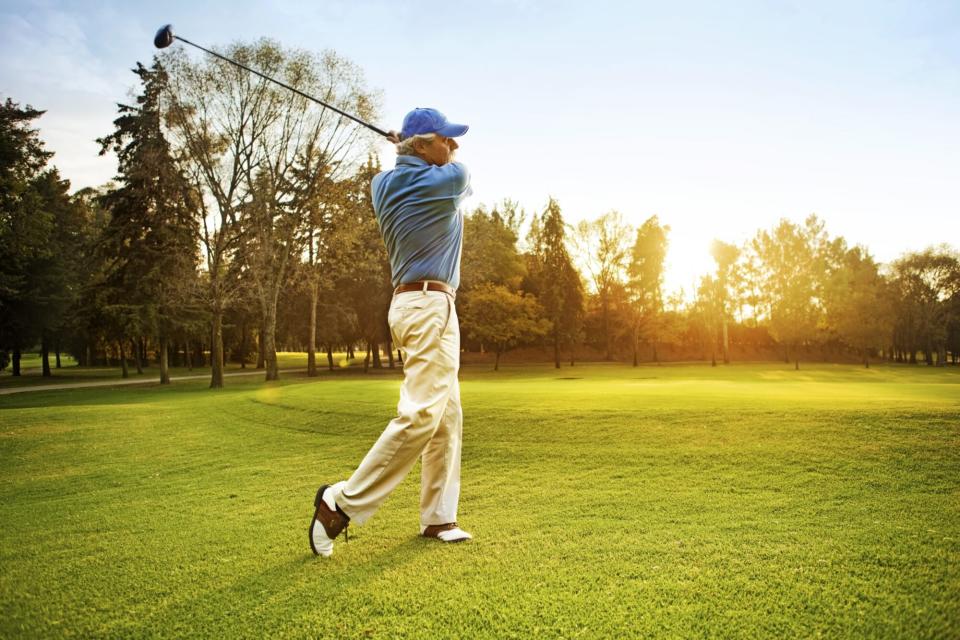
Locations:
(298, 585)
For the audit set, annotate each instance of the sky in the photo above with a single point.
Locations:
(720, 118)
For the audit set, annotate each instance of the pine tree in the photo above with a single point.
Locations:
(149, 245)
(38, 233)
(554, 279)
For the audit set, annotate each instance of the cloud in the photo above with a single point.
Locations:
(54, 59)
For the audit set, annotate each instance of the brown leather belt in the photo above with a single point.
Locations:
(430, 286)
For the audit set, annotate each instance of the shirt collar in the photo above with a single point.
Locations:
(414, 161)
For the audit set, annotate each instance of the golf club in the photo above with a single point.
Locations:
(165, 38)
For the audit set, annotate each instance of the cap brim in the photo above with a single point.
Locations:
(451, 130)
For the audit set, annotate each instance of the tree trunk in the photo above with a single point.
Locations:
(136, 355)
(244, 343)
(377, 364)
(164, 365)
(866, 358)
(16, 359)
(312, 340)
(496, 361)
(399, 357)
(390, 352)
(186, 356)
(57, 352)
(726, 343)
(124, 372)
(216, 351)
(556, 349)
(270, 343)
(261, 357)
(366, 359)
(45, 356)
(330, 356)
(350, 354)
(606, 332)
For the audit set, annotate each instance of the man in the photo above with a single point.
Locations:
(417, 208)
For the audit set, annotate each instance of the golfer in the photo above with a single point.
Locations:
(417, 208)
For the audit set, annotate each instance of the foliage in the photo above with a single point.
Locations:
(40, 227)
(495, 315)
(553, 278)
(147, 283)
(927, 294)
(490, 248)
(645, 282)
(603, 246)
(791, 258)
(263, 157)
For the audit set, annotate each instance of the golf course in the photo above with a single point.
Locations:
(606, 501)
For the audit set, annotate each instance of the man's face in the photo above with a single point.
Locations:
(438, 151)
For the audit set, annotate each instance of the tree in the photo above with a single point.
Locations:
(725, 256)
(791, 258)
(856, 303)
(554, 279)
(257, 154)
(85, 318)
(928, 286)
(497, 316)
(604, 247)
(708, 310)
(319, 269)
(490, 248)
(149, 244)
(40, 231)
(645, 282)
(363, 276)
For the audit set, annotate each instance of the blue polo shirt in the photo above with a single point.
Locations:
(418, 209)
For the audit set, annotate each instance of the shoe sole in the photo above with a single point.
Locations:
(316, 512)
(438, 539)
(457, 541)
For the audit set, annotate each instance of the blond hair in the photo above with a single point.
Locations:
(405, 146)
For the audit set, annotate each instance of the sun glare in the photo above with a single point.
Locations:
(688, 258)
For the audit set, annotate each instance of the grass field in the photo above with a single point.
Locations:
(606, 501)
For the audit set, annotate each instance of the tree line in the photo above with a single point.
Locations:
(240, 224)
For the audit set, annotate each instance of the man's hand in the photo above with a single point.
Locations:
(393, 136)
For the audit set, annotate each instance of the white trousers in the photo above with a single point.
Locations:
(429, 422)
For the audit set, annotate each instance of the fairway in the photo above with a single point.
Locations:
(606, 501)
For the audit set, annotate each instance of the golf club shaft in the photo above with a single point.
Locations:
(285, 86)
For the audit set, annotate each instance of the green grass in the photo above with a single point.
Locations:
(673, 501)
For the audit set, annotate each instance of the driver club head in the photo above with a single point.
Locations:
(164, 37)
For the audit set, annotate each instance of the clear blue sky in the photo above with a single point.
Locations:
(719, 117)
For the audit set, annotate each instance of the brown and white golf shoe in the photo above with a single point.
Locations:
(327, 523)
(448, 532)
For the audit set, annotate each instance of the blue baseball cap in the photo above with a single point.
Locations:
(423, 120)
